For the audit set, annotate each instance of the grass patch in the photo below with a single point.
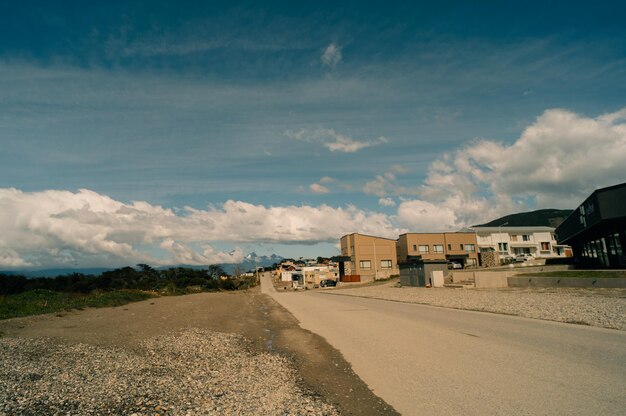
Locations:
(579, 273)
(36, 302)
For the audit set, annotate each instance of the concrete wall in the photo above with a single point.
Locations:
(529, 281)
(501, 277)
(483, 279)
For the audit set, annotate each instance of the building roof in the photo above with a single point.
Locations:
(370, 236)
(463, 231)
(507, 229)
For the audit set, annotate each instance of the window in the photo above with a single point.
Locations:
(525, 237)
(461, 247)
(615, 245)
(385, 264)
(423, 248)
(513, 237)
(438, 248)
(545, 246)
(503, 246)
(365, 264)
(414, 247)
(470, 248)
(449, 247)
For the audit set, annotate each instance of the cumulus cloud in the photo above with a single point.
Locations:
(332, 55)
(426, 217)
(556, 162)
(316, 188)
(334, 141)
(387, 202)
(62, 228)
(385, 184)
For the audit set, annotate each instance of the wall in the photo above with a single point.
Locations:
(501, 277)
(529, 281)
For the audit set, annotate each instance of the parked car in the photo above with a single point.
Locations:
(454, 265)
(328, 283)
(523, 257)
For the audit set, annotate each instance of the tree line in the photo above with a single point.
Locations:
(142, 277)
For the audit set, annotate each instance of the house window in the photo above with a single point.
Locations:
(414, 247)
(423, 249)
(525, 237)
(438, 248)
(545, 246)
(385, 264)
(365, 265)
(513, 237)
(461, 247)
(503, 246)
(449, 247)
(470, 248)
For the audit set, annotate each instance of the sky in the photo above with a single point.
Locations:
(191, 132)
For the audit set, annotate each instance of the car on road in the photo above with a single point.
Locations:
(328, 283)
(454, 265)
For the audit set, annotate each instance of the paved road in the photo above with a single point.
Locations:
(433, 361)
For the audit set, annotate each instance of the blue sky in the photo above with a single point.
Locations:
(375, 117)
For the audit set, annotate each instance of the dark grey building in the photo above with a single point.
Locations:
(596, 230)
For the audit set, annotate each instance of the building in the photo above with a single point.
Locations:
(315, 274)
(596, 230)
(509, 242)
(459, 248)
(371, 257)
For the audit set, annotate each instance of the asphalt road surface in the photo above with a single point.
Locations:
(427, 360)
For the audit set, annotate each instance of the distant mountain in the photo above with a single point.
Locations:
(251, 261)
(541, 217)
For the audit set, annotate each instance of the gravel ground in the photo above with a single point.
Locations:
(596, 307)
(195, 372)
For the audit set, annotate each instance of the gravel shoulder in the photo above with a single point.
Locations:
(596, 307)
(208, 353)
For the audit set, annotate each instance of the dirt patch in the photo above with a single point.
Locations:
(251, 314)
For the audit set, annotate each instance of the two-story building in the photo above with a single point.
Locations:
(371, 257)
(509, 242)
(459, 248)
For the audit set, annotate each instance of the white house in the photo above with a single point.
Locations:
(315, 274)
(508, 242)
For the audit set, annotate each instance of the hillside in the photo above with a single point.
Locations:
(541, 217)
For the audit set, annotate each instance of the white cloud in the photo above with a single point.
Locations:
(331, 55)
(316, 188)
(62, 228)
(335, 142)
(385, 184)
(557, 161)
(387, 202)
(423, 216)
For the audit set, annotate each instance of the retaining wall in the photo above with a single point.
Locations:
(529, 281)
(495, 278)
